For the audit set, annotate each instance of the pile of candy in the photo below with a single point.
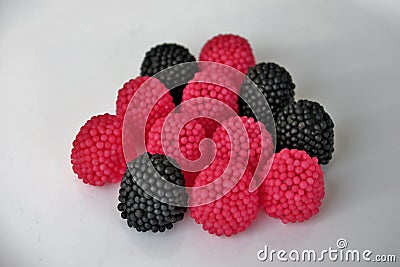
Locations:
(221, 137)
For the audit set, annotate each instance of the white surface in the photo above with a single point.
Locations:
(63, 61)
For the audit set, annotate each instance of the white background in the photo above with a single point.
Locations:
(63, 61)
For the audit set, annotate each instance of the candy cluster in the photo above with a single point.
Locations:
(222, 137)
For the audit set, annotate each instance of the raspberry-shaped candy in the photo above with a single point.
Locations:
(212, 96)
(294, 187)
(97, 157)
(229, 49)
(152, 102)
(178, 137)
(232, 143)
(231, 207)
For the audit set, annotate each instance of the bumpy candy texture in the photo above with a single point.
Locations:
(150, 92)
(97, 157)
(233, 212)
(243, 140)
(164, 56)
(214, 101)
(305, 125)
(276, 86)
(178, 137)
(148, 202)
(294, 187)
(229, 49)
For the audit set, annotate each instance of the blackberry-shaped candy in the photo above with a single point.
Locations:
(305, 125)
(167, 55)
(276, 86)
(148, 200)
